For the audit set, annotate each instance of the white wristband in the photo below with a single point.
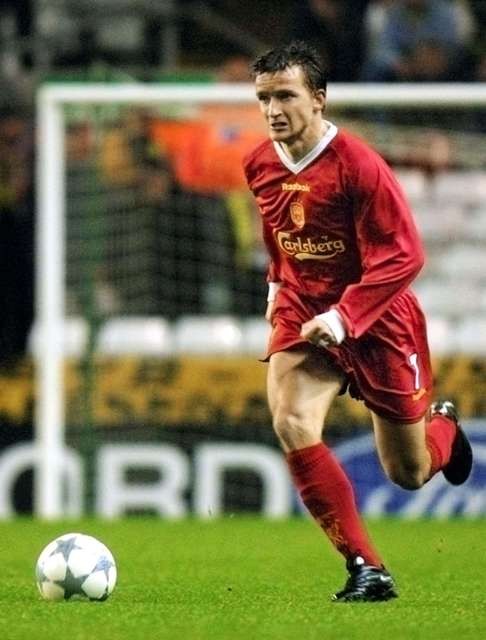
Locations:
(273, 287)
(335, 323)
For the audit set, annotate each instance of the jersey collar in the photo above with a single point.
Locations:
(296, 167)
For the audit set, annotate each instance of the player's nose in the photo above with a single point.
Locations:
(274, 108)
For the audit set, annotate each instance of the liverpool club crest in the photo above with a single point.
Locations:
(297, 214)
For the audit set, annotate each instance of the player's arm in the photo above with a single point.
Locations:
(273, 278)
(273, 275)
(273, 288)
(390, 248)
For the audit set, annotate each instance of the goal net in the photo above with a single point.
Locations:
(151, 284)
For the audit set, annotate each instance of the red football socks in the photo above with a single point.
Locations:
(439, 437)
(327, 493)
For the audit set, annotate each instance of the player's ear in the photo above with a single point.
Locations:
(320, 99)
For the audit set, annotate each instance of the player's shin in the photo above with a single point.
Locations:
(439, 438)
(328, 495)
(449, 448)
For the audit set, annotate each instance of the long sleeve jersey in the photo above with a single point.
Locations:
(336, 225)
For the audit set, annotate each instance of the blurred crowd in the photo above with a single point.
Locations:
(201, 225)
(396, 40)
(367, 40)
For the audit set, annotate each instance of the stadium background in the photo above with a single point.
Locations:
(165, 271)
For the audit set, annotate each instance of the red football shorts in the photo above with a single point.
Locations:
(388, 367)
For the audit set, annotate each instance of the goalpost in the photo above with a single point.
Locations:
(51, 222)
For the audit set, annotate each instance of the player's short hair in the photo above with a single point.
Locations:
(296, 53)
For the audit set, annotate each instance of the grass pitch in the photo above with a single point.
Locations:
(247, 578)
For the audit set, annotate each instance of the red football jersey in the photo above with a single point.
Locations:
(336, 225)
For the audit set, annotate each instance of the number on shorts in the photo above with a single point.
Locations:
(413, 359)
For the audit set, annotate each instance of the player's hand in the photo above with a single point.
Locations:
(318, 333)
(269, 312)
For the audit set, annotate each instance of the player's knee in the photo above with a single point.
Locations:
(292, 429)
(408, 476)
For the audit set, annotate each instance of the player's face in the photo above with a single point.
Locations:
(293, 112)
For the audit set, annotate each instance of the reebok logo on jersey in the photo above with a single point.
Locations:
(300, 248)
(295, 186)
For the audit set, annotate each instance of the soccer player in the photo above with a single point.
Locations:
(343, 251)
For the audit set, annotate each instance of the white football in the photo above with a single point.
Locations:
(75, 566)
